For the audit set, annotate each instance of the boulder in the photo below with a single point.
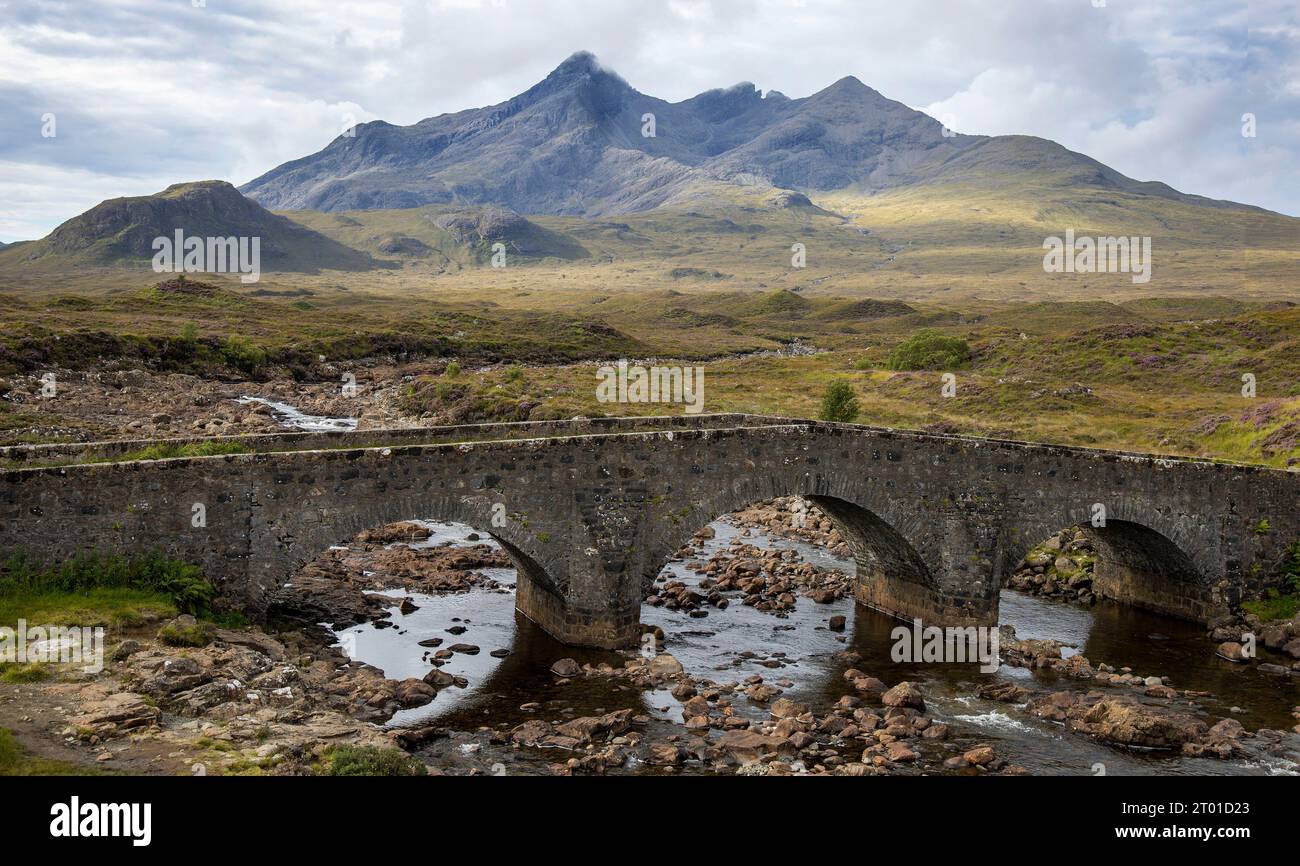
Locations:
(664, 665)
(905, 694)
(116, 714)
(566, 668)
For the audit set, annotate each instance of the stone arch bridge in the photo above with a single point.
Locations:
(590, 510)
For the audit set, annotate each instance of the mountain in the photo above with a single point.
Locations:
(122, 231)
(573, 145)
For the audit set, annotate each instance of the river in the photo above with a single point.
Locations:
(799, 654)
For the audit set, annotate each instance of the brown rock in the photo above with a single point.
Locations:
(905, 694)
(566, 668)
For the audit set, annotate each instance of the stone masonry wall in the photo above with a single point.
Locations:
(935, 522)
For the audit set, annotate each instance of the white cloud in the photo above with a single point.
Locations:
(148, 91)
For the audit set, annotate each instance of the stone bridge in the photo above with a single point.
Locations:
(590, 510)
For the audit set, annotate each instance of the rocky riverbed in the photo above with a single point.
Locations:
(758, 664)
(140, 404)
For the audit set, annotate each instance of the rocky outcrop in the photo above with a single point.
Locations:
(1060, 568)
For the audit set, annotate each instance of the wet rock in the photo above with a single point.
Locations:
(1007, 693)
(531, 733)
(664, 664)
(439, 679)
(787, 709)
(900, 753)
(468, 649)
(666, 754)
(396, 532)
(1125, 721)
(566, 668)
(414, 693)
(747, 745)
(695, 706)
(905, 694)
(1232, 651)
(837, 623)
(1054, 707)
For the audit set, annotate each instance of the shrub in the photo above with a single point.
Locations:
(453, 369)
(839, 403)
(241, 354)
(372, 761)
(929, 350)
(183, 583)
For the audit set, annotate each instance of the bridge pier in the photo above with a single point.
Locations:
(607, 627)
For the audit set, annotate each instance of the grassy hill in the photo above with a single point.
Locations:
(121, 232)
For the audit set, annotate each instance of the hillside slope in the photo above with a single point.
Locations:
(122, 231)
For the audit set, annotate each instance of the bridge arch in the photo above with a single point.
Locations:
(543, 579)
(888, 540)
(1141, 559)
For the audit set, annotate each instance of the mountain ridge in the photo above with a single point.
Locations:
(573, 144)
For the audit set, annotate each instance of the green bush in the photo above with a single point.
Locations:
(452, 370)
(241, 354)
(929, 350)
(183, 583)
(839, 403)
(371, 761)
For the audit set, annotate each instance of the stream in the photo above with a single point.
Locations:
(291, 418)
(798, 654)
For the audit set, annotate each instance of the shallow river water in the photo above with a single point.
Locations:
(800, 656)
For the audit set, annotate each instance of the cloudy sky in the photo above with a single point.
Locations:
(145, 93)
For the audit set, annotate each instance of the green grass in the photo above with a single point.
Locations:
(15, 673)
(17, 761)
(1274, 607)
(191, 449)
(106, 606)
(81, 580)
